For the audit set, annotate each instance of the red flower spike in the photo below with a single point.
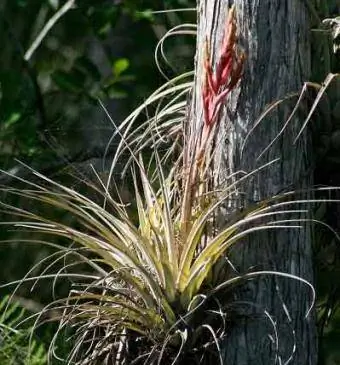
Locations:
(208, 70)
(228, 72)
(229, 39)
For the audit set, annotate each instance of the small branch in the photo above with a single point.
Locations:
(63, 10)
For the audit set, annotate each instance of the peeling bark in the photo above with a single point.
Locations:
(275, 36)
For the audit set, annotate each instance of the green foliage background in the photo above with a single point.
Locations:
(50, 117)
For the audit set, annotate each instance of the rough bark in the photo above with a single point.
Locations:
(275, 37)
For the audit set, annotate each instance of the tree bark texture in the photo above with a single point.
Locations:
(275, 37)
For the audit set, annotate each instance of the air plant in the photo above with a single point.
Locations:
(157, 292)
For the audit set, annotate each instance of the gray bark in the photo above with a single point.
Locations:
(275, 37)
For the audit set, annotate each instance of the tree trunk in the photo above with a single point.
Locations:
(275, 37)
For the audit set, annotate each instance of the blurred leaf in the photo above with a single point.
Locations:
(127, 78)
(22, 3)
(114, 93)
(68, 82)
(145, 14)
(85, 65)
(12, 119)
(54, 4)
(120, 66)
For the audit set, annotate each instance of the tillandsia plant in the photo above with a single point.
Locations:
(156, 292)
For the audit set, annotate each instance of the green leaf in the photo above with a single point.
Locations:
(22, 3)
(12, 119)
(145, 14)
(114, 93)
(120, 66)
(68, 82)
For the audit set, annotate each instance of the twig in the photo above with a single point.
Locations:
(63, 10)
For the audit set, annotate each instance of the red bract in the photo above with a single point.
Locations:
(228, 72)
